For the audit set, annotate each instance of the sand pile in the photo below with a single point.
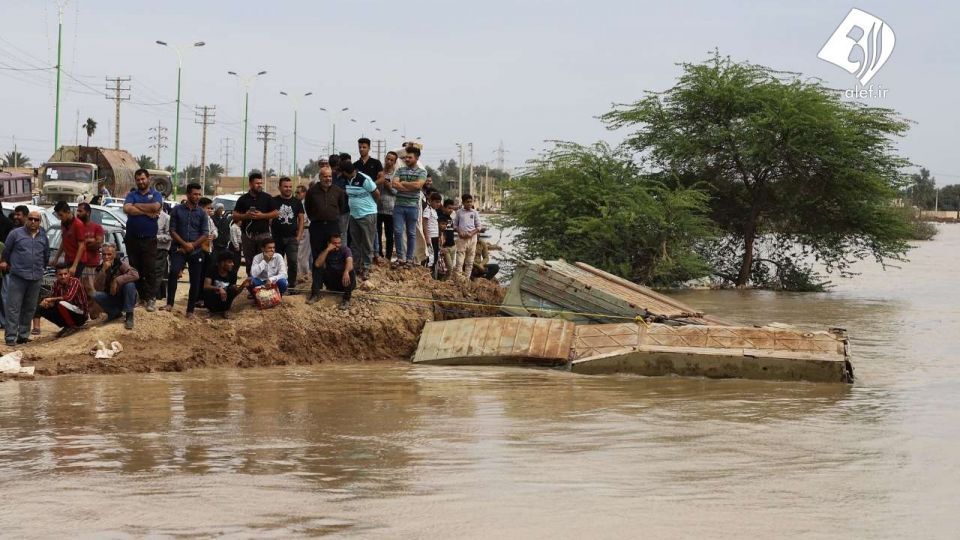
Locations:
(380, 325)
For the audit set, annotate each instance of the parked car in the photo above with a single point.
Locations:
(228, 202)
(104, 215)
(44, 216)
(111, 235)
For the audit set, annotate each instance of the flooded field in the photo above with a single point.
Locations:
(392, 450)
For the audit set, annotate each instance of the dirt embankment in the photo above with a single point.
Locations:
(382, 324)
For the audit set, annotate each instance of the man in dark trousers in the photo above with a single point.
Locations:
(324, 203)
(253, 211)
(335, 264)
(287, 228)
(143, 206)
(189, 227)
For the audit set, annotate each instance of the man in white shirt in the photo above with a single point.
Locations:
(164, 240)
(269, 270)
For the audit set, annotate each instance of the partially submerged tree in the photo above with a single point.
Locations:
(785, 159)
(591, 204)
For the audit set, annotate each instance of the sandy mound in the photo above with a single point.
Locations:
(384, 323)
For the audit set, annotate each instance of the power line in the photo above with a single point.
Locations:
(266, 134)
(117, 97)
(205, 116)
(159, 138)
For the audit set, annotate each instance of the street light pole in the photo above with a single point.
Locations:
(296, 105)
(246, 82)
(176, 134)
(333, 116)
(56, 114)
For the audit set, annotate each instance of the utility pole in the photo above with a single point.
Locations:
(225, 151)
(56, 115)
(470, 146)
(266, 134)
(16, 155)
(117, 97)
(159, 139)
(205, 116)
(281, 153)
(381, 145)
(460, 172)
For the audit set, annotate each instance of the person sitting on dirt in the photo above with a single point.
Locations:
(482, 267)
(336, 266)
(220, 285)
(66, 306)
(269, 270)
(115, 286)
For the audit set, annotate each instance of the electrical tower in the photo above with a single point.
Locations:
(266, 134)
(381, 146)
(118, 90)
(205, 116)
(225, 154)
(158, 139)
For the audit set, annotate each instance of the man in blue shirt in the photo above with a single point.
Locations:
(143, 206)
(25, 255)
(188, 226)
(362, 195)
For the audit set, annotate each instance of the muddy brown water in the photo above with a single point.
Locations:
(397, 451)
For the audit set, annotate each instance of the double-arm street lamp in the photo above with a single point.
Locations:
(296, 104)
(179, 49)
(333, 119)
(246, 81)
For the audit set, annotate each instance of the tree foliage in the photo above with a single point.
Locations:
(15, 159)
(90, 126)
(921, 191)
(950, 197)
(591, 204)
(784, 158)
(146, 162)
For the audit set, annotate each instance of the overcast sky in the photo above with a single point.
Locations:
(522, 72)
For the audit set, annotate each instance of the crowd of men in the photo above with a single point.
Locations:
(334, 229)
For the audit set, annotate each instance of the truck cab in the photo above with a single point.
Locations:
(68, 181)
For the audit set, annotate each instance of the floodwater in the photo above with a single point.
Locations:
(397, 451)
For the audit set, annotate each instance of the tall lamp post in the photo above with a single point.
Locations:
(179, 49)
(56, 115)
(246, 82)
(333, 118)
(296, 105)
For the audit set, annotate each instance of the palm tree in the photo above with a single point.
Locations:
(15, 159)
(91, 127)
(146, 162)
(214, 170)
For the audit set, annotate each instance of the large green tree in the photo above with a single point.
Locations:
(921, 191)
(786, 160)
(950, 197)
(592, 204)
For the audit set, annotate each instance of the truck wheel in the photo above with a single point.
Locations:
(162, 184)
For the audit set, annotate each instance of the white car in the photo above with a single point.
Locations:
(228, 201)
(45, 218)
(104, 215)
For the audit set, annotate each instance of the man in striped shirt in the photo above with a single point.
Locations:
(66, 306)
(408, 181)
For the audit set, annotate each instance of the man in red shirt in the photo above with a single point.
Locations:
(93, 235)
(66, 306)
(72, 240)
